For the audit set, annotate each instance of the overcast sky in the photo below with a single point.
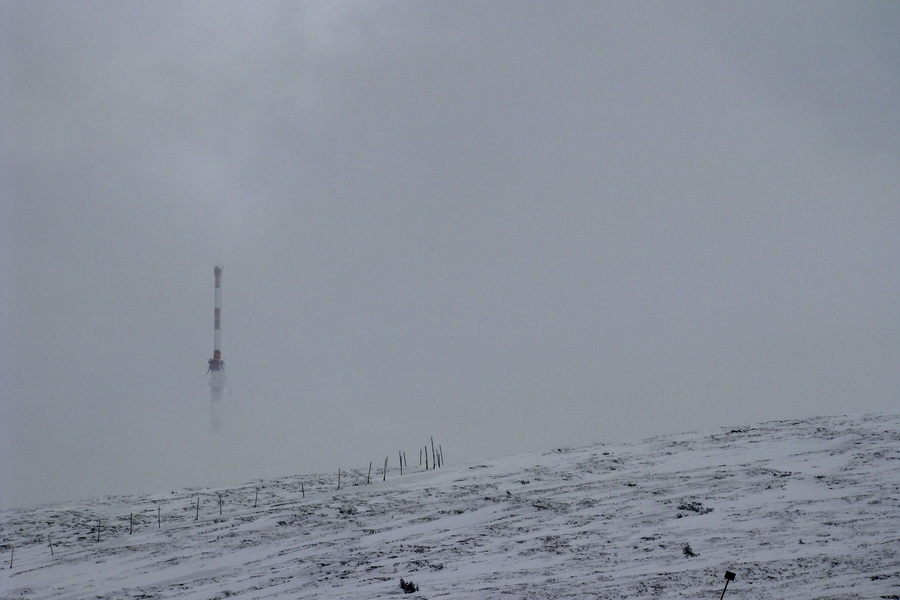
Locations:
(513, 226)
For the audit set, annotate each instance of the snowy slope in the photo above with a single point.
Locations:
(799, 509)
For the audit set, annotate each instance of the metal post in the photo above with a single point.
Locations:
(729, 576)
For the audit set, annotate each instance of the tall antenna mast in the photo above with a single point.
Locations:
(216, 378)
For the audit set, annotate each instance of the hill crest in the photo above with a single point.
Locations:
(802, 508)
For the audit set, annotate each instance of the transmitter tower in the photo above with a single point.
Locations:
(216, 373)
(216, 364)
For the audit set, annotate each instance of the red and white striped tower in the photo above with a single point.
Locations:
(216, 364)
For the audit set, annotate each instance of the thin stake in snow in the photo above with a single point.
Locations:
(130, 523)
(158, 517)
(302, 491)
(400, 459)
(12, 552)
(220, 504)
(433, 456)
(256, 497)
(339, 479)
(369, 476)
(197, 513)
(729, 576)
(384, 473)
(99, 524)
(50, 543)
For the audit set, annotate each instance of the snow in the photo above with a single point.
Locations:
(801, 509)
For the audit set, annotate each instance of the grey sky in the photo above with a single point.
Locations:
(510, 225)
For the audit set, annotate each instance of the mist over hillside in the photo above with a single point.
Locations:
(800, 509)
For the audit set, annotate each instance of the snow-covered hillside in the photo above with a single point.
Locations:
(797, 509)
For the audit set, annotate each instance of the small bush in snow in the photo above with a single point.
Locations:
(688, 551)
(408, 586)
(696, 507)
